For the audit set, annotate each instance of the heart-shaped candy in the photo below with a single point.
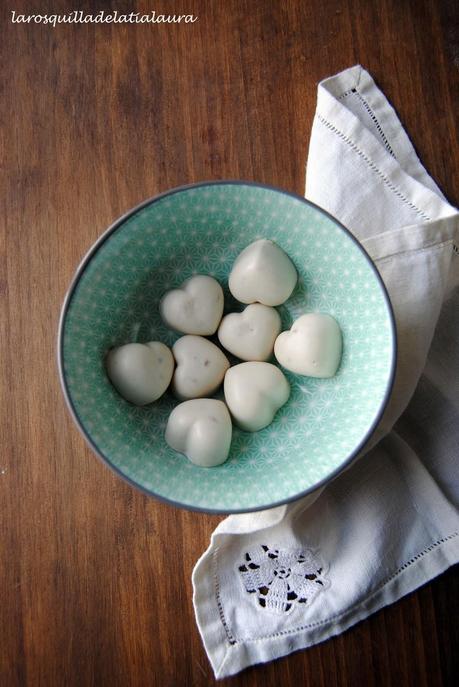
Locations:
(196, 307)
(312, 347)
(254, 392)
(201, 429)
(141, 373)
(201, 366)
(250, 335)
(263, 273)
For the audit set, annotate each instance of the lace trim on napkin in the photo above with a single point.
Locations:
(280, 579)
(366, 602)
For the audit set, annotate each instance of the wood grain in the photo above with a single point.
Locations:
(95, 577)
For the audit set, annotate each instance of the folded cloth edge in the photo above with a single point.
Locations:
(406, 177)
(227, 656)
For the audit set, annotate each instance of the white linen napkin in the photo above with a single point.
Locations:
(284, 579)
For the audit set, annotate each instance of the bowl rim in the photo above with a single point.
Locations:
(106, 460)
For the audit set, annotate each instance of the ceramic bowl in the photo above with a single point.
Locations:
(201, 229)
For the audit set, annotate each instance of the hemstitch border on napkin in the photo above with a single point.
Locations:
(372, 166)
(373, 117)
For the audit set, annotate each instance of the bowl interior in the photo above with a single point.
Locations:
(202, 229)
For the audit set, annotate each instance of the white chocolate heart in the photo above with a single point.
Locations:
(250, 335)
(312, 347)
(263, 273)
(201, 429)
(139, 372)
(196, 307)
(254, 392)
(201, 366)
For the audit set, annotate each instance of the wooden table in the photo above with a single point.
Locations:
(96, 576)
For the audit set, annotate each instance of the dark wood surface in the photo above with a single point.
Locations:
(95, 577)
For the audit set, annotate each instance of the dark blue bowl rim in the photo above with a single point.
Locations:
(106, 460)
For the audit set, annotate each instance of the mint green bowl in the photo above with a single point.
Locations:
(114, 298)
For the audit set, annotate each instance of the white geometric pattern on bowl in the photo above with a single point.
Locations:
(200, 230)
